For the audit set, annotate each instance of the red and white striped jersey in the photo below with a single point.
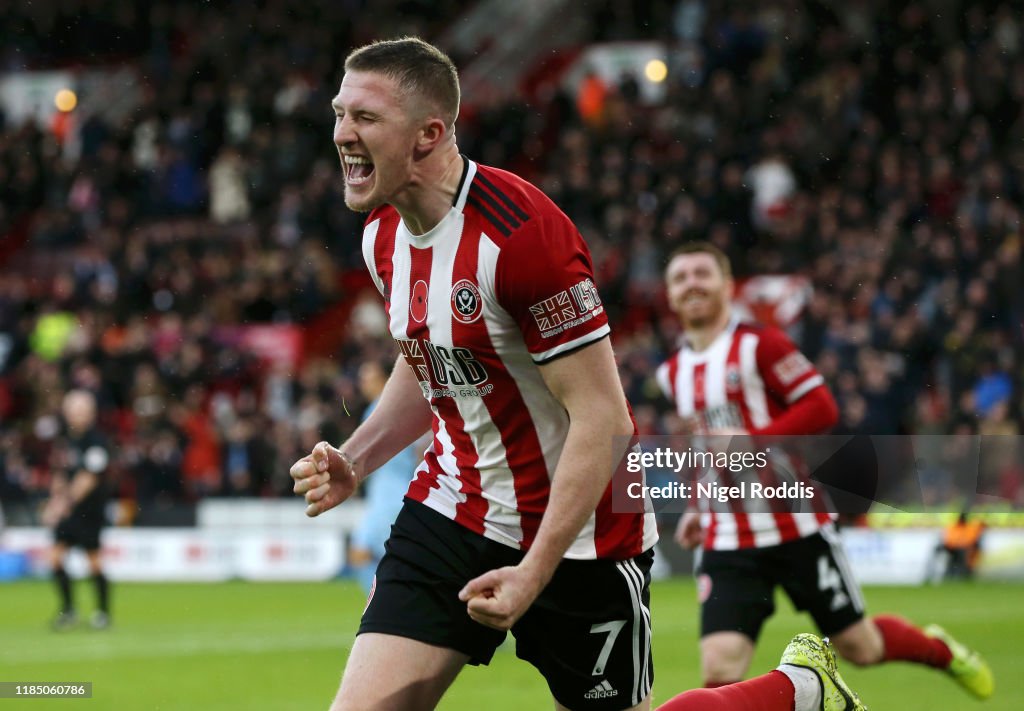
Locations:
(501, 285)
(745, 378)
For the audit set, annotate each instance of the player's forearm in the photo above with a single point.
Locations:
(402, 416)
(594, 445)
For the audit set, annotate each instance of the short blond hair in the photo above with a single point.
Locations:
(419, 67)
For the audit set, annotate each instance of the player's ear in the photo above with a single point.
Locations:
(432, 132)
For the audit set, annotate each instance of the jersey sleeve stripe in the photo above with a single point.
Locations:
(479, 193)
(573, 345)
(503, 197)
(805, 387)
(484, 212)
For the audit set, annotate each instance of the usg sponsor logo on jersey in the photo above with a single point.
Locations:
(466, 304)
(445, 371)
(586, 296)
(722, 417)
(562, 312)
(603, 690)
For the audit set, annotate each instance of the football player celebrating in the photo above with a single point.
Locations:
(507, 524)
(731, 377)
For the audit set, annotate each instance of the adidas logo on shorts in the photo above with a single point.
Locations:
(603, 690)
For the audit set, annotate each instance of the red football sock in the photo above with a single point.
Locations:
(717, 684)
(771, 692)
(905, 642)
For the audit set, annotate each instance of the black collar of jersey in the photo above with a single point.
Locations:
(462, 180)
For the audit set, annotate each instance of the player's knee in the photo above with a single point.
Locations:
(721, 676)
(723, 667)
(410, 695)
(858, 656)
(57, 555)
(725, 657)
(860, 651)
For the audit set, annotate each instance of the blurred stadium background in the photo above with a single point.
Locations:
(173, 238)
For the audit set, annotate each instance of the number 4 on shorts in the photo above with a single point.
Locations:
(612, 628)
(830, 579)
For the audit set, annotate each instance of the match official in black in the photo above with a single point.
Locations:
(77, 505)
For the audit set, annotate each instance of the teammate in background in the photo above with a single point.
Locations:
(384, 490)
(76, 507)
(507, 524)
(731, 377)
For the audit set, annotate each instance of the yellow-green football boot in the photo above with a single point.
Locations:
(968, 667)
(816, 654)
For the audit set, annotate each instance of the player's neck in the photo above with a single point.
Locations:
(431, 191)
(700, 337)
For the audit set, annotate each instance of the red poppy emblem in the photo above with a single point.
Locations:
(418, 302)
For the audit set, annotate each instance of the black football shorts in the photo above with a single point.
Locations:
(737, 588)
(78, 533)
(588, 633)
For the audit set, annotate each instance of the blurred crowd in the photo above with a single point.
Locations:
(876, 148)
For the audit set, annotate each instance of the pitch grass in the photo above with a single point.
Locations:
(282, 646)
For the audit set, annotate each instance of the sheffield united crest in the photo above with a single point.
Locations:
(733, 379)
(466, 303)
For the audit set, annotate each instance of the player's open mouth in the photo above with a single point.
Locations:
(358, 170)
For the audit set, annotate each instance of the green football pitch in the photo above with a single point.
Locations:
(282, 646)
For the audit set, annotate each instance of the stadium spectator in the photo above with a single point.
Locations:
(730, 377)
(509, 516)
(957, 555)
(904, 211)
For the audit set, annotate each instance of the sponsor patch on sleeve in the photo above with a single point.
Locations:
(566, 309)
(792, 367)
(552, 313)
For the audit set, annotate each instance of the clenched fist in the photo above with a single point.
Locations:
(326, 477)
